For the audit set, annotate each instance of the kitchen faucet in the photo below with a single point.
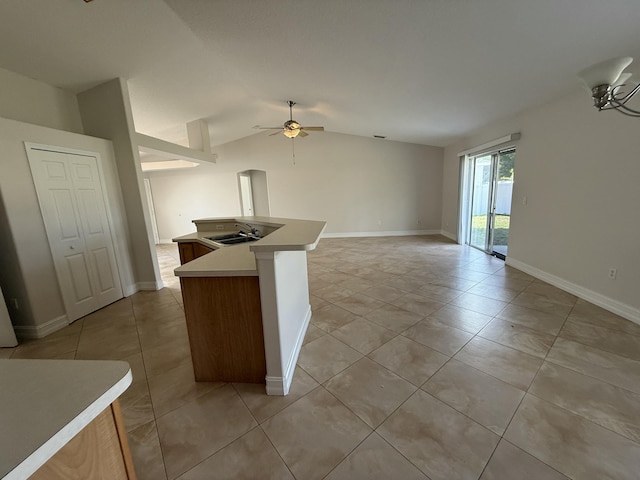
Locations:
(252, 230)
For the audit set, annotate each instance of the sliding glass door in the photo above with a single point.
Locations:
(489, 189)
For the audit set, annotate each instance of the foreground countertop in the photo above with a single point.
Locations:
(45, 403)
(286, 234)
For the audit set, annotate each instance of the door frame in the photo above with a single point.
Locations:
(467, 172)
(152, 210)
(29, 146)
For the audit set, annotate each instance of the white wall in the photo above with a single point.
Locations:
(31, 101)
(36, 112)
(579, 170)
(355, 184)
(106, 113)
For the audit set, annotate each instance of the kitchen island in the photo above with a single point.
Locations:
(247, 305)
(60, 419)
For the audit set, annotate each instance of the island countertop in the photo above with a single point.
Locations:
(45, 403)
(286, 234)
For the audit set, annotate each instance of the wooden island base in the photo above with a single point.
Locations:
(224, 322)
(247, 304)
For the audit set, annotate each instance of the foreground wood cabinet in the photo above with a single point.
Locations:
(224, 322)
(100, 451)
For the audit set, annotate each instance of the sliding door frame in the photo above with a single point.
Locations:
(467, 185)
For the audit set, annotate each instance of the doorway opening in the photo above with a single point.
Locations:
(254, 193)
(487, 180)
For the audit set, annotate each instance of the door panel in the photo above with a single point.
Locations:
(81, 171)
(79, 275)
(103, 268)
(74, 211)
(56, 171)
(97, 234)
(63, 214)
(89, 210)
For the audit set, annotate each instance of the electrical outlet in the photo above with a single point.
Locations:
(612, 273)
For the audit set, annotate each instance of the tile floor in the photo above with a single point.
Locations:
(424, 360)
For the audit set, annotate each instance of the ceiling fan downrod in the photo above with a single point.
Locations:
(291, 125)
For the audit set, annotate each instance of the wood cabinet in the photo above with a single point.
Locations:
(224, 322)
(192, 250)
(99, 451)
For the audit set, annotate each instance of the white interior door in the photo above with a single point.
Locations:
(71, 197)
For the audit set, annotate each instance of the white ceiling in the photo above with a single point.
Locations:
(421, 71)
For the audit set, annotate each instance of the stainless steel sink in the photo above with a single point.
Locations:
(233, 238)
(226, 236)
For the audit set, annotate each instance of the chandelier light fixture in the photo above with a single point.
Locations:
(606, 80)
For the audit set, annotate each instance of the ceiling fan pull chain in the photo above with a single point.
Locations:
(293, 150)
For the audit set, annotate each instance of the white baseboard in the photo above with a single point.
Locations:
(449, 235)
(32, 332)
(150, 285)
(281, 385)
(164, 241)
(129, 290)
(394, 233)
(614, 306)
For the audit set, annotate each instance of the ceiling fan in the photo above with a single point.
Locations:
(291, 128)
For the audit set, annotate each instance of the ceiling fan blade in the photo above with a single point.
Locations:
(303, 134)
(275, 133)
(314, 129)
(267, 128)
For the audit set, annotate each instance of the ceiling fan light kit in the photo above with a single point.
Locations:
(605, 81)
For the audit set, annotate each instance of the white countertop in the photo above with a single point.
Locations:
(45, 403)
(229, 261)
(238, 260)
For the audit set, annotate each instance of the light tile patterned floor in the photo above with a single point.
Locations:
(424, 360)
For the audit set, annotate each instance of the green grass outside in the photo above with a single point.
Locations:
(501, 230)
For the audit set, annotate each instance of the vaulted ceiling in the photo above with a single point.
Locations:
(420, 71)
